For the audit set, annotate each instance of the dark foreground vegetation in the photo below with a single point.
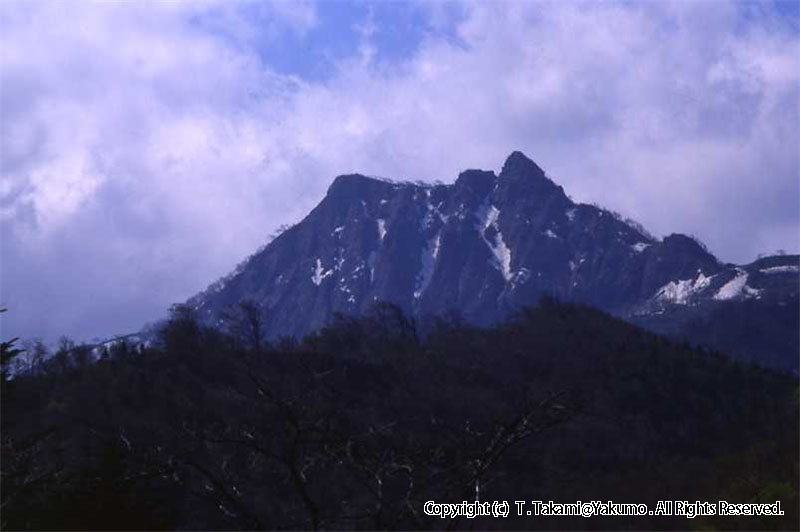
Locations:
(360, 425)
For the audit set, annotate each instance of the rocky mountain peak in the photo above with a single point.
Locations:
(476, 183)
(519, 164)
(691, 251)
(484, 246)
(351, 186)
(519, 168)
(523, 178)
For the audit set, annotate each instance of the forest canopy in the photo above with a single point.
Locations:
(361, 423)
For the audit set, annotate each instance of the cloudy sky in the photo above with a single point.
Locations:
(148, 147)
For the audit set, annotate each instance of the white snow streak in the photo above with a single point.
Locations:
(319, 273)
(487, 217)
(429, 256)
(371, 263)
(780, 269)
(381, 228)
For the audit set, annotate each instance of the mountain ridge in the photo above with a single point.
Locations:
(483, 246)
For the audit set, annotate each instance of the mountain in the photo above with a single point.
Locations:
(490, 244)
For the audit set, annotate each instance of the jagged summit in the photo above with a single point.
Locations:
(483, 246)
(355, 185)
(346, 180)
(521, 178)
(478, 182)
(517, 169)
(518, 164)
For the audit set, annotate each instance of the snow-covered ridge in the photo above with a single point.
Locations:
(679, 292)
(682, 291)
(781, 269)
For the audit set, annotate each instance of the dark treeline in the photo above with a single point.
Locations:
(357, 426)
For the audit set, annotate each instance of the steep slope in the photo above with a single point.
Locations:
(483, 246)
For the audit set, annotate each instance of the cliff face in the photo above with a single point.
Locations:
(484, 246)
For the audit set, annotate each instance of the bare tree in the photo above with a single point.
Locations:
(245, 322)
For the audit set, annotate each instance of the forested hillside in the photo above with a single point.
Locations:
(360, 424)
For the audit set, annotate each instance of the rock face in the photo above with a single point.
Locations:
(484, 246)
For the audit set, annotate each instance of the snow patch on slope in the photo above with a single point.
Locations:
(432, 213)
(503, 255)
(736, 287)
(521, 276)
(429, 256)
(487, 217)
(381, 228)
(320, 273)
(679, 292)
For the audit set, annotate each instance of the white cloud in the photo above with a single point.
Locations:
(146, 148)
